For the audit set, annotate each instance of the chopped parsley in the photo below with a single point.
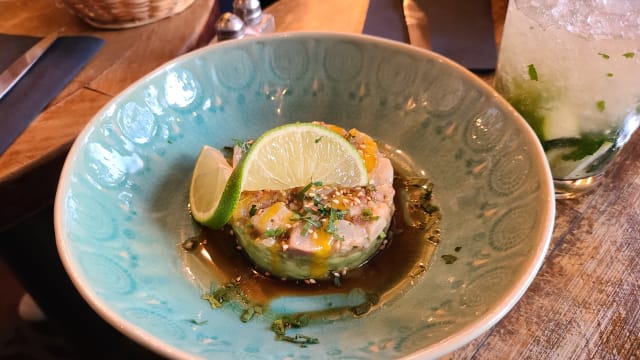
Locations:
(629, 55)
(609, 74)
(303, 193)
(224, 294)
(253, 210)
(533, 73)
(335, 214)
(367, 215)
(318, 139)
(280, 326)
(601, 105)
(243, 145)
(604, 56)
(276, 232)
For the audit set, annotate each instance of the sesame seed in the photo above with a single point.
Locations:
(238, 278)
(315, 235)
(312, 281)
(335, 201)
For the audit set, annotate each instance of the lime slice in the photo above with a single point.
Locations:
(208, 183)
(293, 155)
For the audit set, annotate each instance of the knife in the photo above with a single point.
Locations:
(18, 68)
(461, 30)
(417, 24)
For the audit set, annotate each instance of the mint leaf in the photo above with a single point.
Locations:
(533, 73)
(580, 147)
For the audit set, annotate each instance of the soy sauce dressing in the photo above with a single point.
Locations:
(411, 242)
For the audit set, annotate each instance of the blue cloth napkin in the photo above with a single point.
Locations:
(48, 76)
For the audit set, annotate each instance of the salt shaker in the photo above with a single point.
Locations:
(229, 26)
(257, 22)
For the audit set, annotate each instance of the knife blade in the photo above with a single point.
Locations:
(417, 24)
(18, 68)
(461, 30)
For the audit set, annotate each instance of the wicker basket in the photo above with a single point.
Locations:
(120, 14)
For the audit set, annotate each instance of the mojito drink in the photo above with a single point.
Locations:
(572, 69)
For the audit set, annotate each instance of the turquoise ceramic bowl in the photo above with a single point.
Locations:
(121, 207)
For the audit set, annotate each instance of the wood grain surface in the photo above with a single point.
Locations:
(583, 304)
(127, 55)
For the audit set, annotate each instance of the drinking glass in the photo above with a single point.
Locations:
(572, 70)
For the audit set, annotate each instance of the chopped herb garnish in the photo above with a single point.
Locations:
(449, 259)
(253, 210)
(604, 56)
(335, 214)
(318, 139)
(308, 219)
(601, 105)
(280, 326)
(247, 314)
(243, 145)
(198, 323)
(303, 193)
(277, 232)
(223, 294)
(457, 248)
(609, 74)
(629, 55)
(533, 73)
(367, 215)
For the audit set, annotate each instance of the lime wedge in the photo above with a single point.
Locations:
(208, 183)
(293, 155)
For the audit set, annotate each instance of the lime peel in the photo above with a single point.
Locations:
(209, 187)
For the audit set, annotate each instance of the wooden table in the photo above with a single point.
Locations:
(584, 303)
(30, 167)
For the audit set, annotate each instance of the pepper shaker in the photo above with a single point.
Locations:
(229, 26)
(257, 22)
